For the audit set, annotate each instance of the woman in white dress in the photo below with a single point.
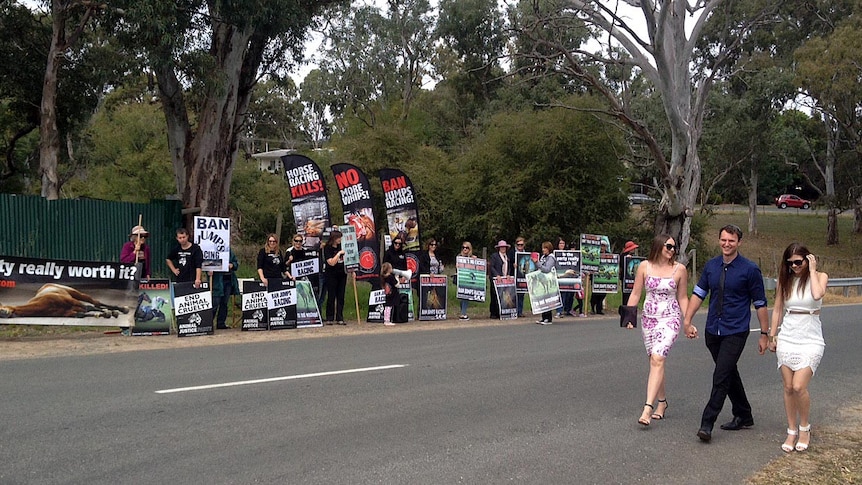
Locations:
(666, 284)
(799, 345)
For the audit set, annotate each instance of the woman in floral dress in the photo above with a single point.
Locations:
(666, 284)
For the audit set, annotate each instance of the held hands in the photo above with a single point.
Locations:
(762, 344)
(690, 330)
(772, 345)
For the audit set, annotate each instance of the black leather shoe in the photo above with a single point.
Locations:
(737, 423)
(705, 434)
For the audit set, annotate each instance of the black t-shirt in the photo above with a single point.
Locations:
(272, 264)
(187, 261)
(328, 253)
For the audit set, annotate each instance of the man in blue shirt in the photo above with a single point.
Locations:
(734, 283)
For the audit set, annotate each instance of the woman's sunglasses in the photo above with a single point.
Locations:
(670, 247)
(796, 262)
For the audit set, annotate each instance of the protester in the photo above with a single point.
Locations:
(390, 288)
(185, 259)
(467, 252)
(799, 346)
(734, 283)
(336, 278)
(666, 283)
(547, 263)
(520, 247)
(429, 263)
(136, 250)
(501, 265)
(397, 257)
(270, 261)
(224, 285)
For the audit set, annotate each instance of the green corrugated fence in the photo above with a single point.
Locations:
(84, 229)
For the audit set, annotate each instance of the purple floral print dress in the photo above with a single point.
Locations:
(662, 316)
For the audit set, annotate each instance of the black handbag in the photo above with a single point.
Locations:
(628, 315)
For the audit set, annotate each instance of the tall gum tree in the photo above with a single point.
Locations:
(207, 57)
(658, 39)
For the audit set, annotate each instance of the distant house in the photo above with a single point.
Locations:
(271, 161)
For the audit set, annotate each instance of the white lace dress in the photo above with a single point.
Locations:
(800, 341)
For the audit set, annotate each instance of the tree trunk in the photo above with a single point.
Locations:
(857, 216)
(829, 178)
(49, 134)
(752, 201)
(832, 227)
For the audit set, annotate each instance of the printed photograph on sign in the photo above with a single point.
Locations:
(524, 263)
(507, 297)
(607, 278)
(432, 297)
(471, 274)
(544, 291)
(153, 313)
(212, 234)
(307, 312)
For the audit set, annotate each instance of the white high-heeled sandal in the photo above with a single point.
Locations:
(804, 446)
(784, 446)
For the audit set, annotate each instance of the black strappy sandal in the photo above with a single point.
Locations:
(645, 421)
(657, 415)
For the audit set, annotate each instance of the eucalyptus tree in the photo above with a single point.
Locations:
(275, 113)
(661, 41)
(207, 58)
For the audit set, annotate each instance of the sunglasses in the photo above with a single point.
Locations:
(297, 240)
(519, 244)
(670, 247)
(796, 262)
(396, 243)
(272, 240)
(433, 244)
(465, 247)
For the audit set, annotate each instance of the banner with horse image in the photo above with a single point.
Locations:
(592, 248)
(544, 291)
(402, 213)
(193, 308)
(507, 297)
(212, 234)
(607, 278)
(255, 315)
(355, 192)
(307, 312)
(470, 279)
(38, 291)
(154, 313)
(308, 198)
(281, 303)
(569, 270)
(432, 297)
(630, 270)
(524, 263)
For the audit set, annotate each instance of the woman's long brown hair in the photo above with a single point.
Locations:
(785, 273)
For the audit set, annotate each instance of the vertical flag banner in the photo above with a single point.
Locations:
(255, 315)
(355, 192)
(212, 234)
(402, 212)
(308, 197)
(432, 297)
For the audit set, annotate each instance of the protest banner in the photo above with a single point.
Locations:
(80, 293)
(193, 308)
(355, 192)
(507, 297)
(212, 234)
(350, 246)
(432, 297)
(154, 312)
(607, 278)
(307, 312)
(406, 289)
(471, 278)
(568, 269)
(630, 270)
(544, 291)
(592, 247)
(308, 197)
(524, 263)
(281, 303)
(376, 304)
(402, 212)
(255, 315)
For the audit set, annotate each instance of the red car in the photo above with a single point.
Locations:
(789, 200)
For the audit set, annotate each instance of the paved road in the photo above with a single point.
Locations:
(520, 404)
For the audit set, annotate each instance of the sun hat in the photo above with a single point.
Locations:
(629, 247)
(502, 243)
(139, 230)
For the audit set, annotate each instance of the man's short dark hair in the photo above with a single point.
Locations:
(732, 229)
(182, 230)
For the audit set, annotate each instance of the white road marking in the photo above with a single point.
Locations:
(282, 378)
